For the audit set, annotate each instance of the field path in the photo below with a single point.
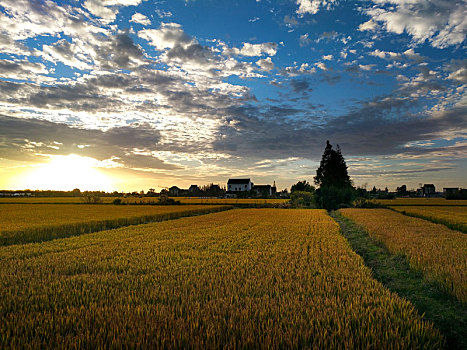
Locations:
(395, 273)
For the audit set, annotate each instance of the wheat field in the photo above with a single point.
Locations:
(253, 278)
(434, 249)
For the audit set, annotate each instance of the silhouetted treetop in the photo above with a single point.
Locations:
(332, 170)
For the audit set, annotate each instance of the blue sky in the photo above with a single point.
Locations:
(156, 93)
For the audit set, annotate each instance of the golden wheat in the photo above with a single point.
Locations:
(453, 217)
(439, 252)
(256, 278)
(22, 223)
(422, 201)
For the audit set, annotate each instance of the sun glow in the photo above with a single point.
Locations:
(66, 173)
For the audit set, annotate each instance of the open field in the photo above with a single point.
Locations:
(453, 217)
(22, 223)
(422, 202)
(256, 278)
(143, 200)
(432, 248)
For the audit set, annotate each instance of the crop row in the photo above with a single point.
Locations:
(24, 223)
(256, 278)
(437, 251)
(422, 202)
(453, 217)
(143, 200)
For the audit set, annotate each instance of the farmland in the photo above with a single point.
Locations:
(21, 223)
(241, 278)
(453, 217)
(440, 253)
(144, 200)
(421, 202)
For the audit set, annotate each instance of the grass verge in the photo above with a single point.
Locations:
(445, 311)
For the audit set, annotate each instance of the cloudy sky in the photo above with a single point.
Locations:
(133, 94)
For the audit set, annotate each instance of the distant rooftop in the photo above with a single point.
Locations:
(238, 181)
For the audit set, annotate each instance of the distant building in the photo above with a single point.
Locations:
(263, 190)
(428, 190)
(450, 191)
(239, 185)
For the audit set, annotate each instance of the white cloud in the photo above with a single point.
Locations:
(304, 40)
(328, 57)
(253, 50)
(440, 22)
(313, 6)
(385, 54)
(265, 64)
(321, 66)
(107, 9)
(366, 67)
(166, 37)
(140, 18)
(370, 25)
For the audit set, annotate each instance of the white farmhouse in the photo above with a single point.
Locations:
(239, 185)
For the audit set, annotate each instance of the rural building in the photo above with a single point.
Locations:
(450, 190)
(428, 190)
(239, 185)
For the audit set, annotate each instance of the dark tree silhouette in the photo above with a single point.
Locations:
(302, 186)
(332, 170)
(335, 188)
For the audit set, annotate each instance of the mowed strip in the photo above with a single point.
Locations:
(436, 250)
(453, 217)
(24, 223)
(256, 278)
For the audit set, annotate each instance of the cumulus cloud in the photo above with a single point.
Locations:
(441, 23)
(265, 64)
(140, 18)
(369, 25)
(249, 49)
(166, 37)
(21, 69)
(313, 6)
(107, 9)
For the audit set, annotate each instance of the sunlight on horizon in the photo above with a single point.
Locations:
(66, 173)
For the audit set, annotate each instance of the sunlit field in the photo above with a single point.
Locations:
(453, 217)
(255, 278)
(422, 201)
(142, 200)
(432, 248)
(22, 223)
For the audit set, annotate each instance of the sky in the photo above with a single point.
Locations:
(135, 94)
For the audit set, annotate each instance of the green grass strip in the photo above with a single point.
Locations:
(48, 233)
(394, 272)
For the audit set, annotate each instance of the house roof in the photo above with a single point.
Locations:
(261, 187)
(238, 181)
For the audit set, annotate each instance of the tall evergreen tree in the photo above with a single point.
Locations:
(332, 170)
(335, 188)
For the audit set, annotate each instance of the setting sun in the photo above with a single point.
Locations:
(66, 173)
